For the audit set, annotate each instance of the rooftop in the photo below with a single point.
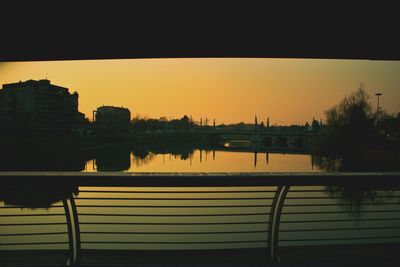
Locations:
(35, 83)
(112, 107)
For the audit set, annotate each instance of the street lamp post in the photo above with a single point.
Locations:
(377, 108)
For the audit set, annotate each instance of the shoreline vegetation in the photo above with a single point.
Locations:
(69, 153)
(358, 137)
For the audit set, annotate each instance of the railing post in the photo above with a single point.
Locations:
(74, 239)
(70, 234)
(274, 221)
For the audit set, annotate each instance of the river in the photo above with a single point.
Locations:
(202, 161)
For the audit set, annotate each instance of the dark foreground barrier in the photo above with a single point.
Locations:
(246, 219)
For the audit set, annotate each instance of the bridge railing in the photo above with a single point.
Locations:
(144, 212)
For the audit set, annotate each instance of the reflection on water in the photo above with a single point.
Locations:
(201, 217)
(187, 157)
(35, 196)
(356, 165)
(330, 215)
(201, 161)
(165, 157)
(353, 199)
(113, 161)
(189, 218)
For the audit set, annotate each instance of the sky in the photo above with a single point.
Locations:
(229, 90)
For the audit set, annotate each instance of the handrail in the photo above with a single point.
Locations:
(275, 216)
(200, 179)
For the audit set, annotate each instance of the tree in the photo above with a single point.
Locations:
(389, 124)
(185, 122)
(349, 127)
(315, 125)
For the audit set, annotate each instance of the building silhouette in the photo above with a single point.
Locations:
(38, 108)
(112, 120)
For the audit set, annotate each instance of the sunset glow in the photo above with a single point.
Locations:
(289, 91)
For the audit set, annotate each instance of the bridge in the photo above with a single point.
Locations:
(259, 149)
(266, 137)
(261, 132)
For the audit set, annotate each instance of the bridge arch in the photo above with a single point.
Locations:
(268, 141)
(281, 141)
(298, 141)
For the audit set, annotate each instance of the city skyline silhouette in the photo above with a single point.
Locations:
(289, 91)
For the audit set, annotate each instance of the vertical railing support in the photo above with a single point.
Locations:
(70, 233)
(74, 239)
(274, 221)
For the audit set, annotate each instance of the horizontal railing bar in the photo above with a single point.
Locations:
(56, 260)
(176, 233)
(25, 234)
(328, 212)
(16, 224)
(199, 242)
(216, 223)
(338, 229)
(175, 192)
(172, 215)
(342, 220)
(28, 215)
(336, 197)
(340, 190)
(115, 179)
(35, 196)
(19, 207)
(171, 206)
(145, 198)
(339, 204)
(219, 192)
(228, 191)
(339, 239)
(33, 243)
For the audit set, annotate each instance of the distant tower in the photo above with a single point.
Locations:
(255, 123)
(201, 122)
(214, 123)
(268, 122)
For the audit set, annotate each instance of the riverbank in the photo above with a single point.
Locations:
(88, 143)
(71, 153)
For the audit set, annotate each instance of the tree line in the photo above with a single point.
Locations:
(353, 129)
(186, 123)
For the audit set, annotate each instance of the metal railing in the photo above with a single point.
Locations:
(225, 211)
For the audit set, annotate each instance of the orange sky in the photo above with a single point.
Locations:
(290, 91)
